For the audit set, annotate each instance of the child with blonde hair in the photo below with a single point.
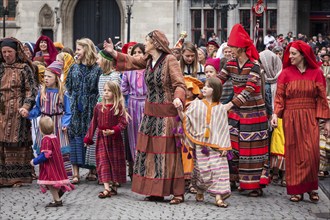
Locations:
(81, 84)
(52, 174)
(53, 101)
(109, 119)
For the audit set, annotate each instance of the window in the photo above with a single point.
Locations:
(271, 21)
(11, 8)
(207, 27)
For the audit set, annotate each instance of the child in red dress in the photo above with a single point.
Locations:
(110, 117)
(52, 174)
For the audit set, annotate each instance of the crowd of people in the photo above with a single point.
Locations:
(198, 119)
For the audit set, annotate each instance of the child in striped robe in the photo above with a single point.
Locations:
(53, 101)
(206, 131)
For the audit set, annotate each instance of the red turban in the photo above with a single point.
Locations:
(126, 46)
(240, 38)
(305, 50)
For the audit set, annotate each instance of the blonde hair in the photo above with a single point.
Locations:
(46, 125)
(118, 100)
(59, 85)
(190, 47)
(107, 66)
(89, 50)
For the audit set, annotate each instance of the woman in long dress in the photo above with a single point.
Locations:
(301, 101)
(158, 170)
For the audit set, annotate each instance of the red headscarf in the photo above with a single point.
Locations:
(305, 50)
(126, 46)
(52, 51)
(240, 38)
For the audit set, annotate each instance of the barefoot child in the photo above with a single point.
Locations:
(206, 130)
(52, 174)
(110, 117)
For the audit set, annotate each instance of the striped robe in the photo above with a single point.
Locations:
(301, 101)
(60, 113)
(249, 125)
(211, 171)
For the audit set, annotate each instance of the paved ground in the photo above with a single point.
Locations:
(27, 202)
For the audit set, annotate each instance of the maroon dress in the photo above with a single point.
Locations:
(52, 172)
(110, 151)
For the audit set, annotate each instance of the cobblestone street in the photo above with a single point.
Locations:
(27, 202)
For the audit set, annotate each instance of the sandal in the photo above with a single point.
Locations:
(55, 204)
(113, 190)
(283, 183)
(275, 179)
(154, 199)
(60, 193)
(17, 185)
(199, 197)
(192, 189)
(239, 189)
(321, 175)
(105, 194)
(297, 198)
(221, 203)
(314, 196)
(91, 177)
(256, 193)
(75, 179)
(116, 184)
(177, 200)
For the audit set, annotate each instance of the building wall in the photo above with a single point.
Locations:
(170, 16)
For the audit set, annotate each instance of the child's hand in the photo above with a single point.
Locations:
(178, 104)
(64, 128)
(108, 132)
(86, 145)
(224, 153)
(31, 162)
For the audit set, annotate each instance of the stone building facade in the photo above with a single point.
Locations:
(66, 20)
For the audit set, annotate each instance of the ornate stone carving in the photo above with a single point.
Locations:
(46, 17)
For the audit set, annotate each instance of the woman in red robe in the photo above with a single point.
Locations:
(301, 101)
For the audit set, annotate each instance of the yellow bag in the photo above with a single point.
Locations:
(277, 141)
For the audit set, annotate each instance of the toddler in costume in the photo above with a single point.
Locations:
(205, 124)
(52, 174)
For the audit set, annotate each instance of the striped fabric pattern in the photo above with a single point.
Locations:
(211, 173)
(301, 100)
(195, 125)
(249, 125)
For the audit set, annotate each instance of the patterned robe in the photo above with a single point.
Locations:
(249, 125)
(301, 101)
(61, 114)
(18, 88)
(110, 151)
(82, 86)
(158, 167)
(211, 171)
